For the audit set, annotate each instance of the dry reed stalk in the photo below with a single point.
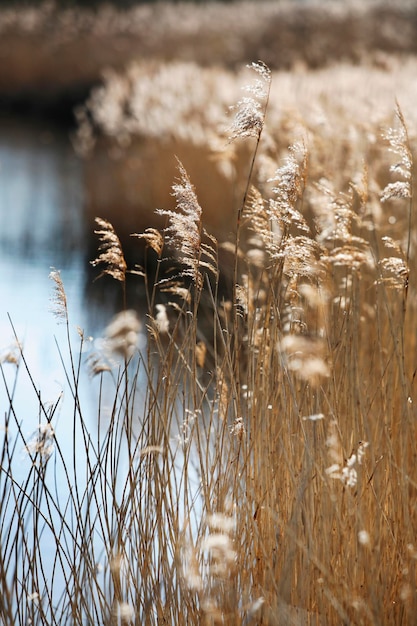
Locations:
(111, 253)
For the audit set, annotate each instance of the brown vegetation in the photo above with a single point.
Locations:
(49, 53)
(260, 473)
(259, 468)
(133, 126)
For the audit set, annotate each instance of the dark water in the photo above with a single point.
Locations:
(42, 226)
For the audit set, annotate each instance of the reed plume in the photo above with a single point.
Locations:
(111, 255)
(250, 111)
(59, 299)
(184, 233)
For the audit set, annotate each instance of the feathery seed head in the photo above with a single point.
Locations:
(153, 239)
(394, 269)
(122, 333)
(41, 443)
(238, 429)
(400, 146)
(59, 300)
(97, 364)
(249, 119)
(290, 181)
(347, 472)
(190, 568)
(221, 522)
(273, 220)
(261, 86)
(161, 321)
(219, 546)
(305, 356)
(184, 231)
(399, 190)
(394, 272)
(175, 288)
(11, 354)
(250, 111)
(111, 253)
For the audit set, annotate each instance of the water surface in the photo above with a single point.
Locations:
(42, 226)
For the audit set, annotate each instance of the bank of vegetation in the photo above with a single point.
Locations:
(254, 461)
(52, 54)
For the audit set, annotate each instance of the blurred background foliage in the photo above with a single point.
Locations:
(97, 3)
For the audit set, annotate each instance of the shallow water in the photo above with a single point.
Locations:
(43, 226)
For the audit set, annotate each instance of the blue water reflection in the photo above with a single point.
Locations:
(42, 225)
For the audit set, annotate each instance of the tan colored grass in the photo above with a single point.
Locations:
(274, 480)
(338, 112)
(54, 52)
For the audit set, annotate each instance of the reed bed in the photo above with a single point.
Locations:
(53, 53)
(254, 461)
(208, 32)
(134, 124)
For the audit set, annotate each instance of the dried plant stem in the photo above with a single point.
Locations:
(253, 124)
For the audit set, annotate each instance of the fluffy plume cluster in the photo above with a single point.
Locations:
(184, 231)
(97, 364)
(111, 254)
(59, 299)
(219, 545)
(394, 269)
(153, 239)
(250, 111)
(348, 473)
(41, 444)
(306, 357)
(122, 337)
(160, 323)
(277, 220)
(122, 334)
(238, 429)
(210, 566)
(288, 187)
(301, 256)
(11, 354)
(399, 145)
(336, 221)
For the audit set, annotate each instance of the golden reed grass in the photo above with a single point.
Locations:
(259, 469)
